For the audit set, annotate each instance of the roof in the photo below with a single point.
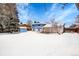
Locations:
(48, 25)
(24, 25)
(38, 23)
(76, 23)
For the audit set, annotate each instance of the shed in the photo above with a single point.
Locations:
(53, 28)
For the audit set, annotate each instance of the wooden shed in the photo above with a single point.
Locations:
(53, 28)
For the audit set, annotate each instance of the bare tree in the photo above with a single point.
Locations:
(29, 22)
(77, 19)
(52, 20)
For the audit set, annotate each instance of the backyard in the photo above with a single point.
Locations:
(37, 44)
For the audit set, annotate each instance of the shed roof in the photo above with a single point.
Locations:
(48, 25)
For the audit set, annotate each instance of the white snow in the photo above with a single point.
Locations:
(38, 44)
(48, 25)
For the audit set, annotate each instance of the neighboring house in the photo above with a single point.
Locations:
(9, 21)
(73, 28)
(53, 28)
(26, 26)
(37, 26)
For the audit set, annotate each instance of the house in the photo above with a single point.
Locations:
(73, 28)
(26, 26)
(37, 26)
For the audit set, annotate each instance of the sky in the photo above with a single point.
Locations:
(44, 12)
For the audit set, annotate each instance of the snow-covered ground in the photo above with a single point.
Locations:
(37, 44)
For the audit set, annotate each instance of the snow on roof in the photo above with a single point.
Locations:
(48, 25)
(76, 23)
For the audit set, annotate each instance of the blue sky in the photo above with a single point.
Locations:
(44, 12)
